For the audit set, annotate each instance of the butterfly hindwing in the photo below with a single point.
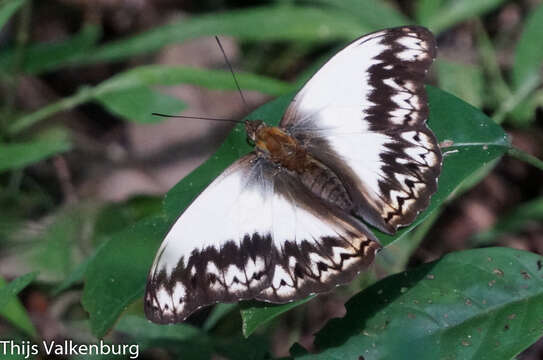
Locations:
(254, 232)
(364, 115)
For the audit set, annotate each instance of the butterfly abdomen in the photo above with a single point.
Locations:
(324, 183)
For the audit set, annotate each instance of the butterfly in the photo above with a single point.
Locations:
(283, 222)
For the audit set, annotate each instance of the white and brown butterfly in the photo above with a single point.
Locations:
(281, 223)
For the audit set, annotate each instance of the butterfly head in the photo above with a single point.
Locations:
(252, 127)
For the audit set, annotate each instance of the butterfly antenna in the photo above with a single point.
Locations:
(196, 117)
(232, 71)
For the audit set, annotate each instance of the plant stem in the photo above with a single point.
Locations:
(511, 102)
(524, 156)
(490, 64)
(21, 41)
(25, 121)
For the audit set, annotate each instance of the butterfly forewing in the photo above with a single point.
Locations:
(364, 115)
(254, 233)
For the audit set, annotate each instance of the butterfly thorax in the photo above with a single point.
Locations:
(284, 150)
(281, 148)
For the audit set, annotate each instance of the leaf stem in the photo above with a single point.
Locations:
(519, 96)
(25, 121)
(524, 156)
(21, 40)
(488, 56)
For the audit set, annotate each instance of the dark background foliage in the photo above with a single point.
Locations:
(90, 180)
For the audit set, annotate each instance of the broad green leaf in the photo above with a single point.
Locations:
(117, 275)
(529, 56)
(16, 314)
(21, 154)
(262, 313)
(517, 219)
(474, 141)
(117, 216)
(453, 12)
(476, 304)
(8, 292)
(462, 80)
(137, 104)
(7, 9)
(374, 14)
(50, 56)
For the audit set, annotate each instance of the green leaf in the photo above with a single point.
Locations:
(281, 22)
(52, 252)
(517, 219)
(8, 292)
(21, 154)
(189, 342)
(476, 304)
(16, 314)
(117, 275)
(453, 12)
(7, 9)
(140, 328)
(219, 311)
(137, 104)
(256, 315)
(372, 13)
(529, 56)
(118, 216)
(473, 138)
(263, 23)
(175, 75)
(462, 80)
(75, 276)
(50, 56)
(145, 76)
(104, 221)
(395, 256)
(427, 9)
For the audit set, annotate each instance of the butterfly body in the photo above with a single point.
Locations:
(285, 221)
(289, 154)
